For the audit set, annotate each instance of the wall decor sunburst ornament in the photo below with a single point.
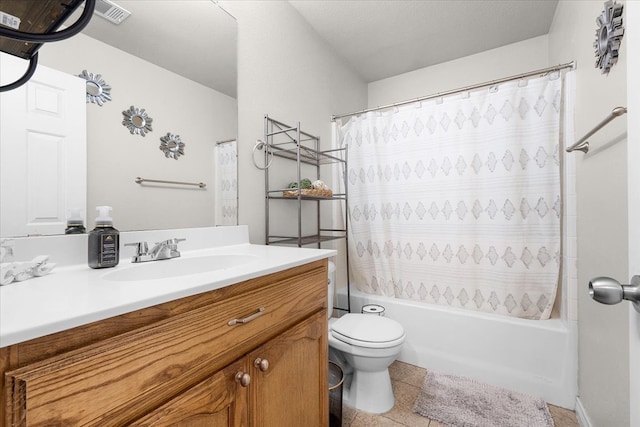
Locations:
(98, 91)
(608, 36)
(137, 121)
(172, 146)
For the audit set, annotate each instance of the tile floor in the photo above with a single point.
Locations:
(406, 380)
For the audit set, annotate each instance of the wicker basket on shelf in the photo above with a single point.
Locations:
(308, 192)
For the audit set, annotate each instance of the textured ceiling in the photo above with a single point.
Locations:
(380, 39)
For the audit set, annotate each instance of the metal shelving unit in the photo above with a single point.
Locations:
(301, 148)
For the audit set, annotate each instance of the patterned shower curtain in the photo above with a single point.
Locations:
(457, 201)
(226, 191)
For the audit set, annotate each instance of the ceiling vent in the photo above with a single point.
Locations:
(111, 11)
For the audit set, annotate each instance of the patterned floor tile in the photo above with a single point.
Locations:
(348, 415)
(410, 374)
(563, 417)
(369, 420)
(407, 380)
(402, 412)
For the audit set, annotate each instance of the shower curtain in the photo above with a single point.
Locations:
(457, 201)
(226, 183)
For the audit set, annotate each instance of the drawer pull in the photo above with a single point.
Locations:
(247, 319)
(243, 378)
(262, 364)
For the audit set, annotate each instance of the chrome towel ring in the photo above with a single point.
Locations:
(260, 144)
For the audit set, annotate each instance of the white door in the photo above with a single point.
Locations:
(43, 153)
(633, 147)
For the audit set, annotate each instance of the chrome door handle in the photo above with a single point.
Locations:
(606, 290)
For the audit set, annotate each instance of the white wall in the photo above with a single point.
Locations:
(284, 70)
(505, 61)
(199, 115)
(602, 214)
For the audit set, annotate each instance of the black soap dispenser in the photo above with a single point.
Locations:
(104, 241)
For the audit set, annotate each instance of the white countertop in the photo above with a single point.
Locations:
(76, 295)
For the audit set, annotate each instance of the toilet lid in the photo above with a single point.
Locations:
(368, 330)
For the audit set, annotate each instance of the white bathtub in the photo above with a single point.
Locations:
(537, 357)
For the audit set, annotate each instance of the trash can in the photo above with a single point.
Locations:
(335, 395)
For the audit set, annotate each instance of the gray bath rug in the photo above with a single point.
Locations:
(463, 402)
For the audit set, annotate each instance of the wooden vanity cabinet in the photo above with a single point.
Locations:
(184, 363)
(279, 387)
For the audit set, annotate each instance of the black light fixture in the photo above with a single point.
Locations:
(26, 24)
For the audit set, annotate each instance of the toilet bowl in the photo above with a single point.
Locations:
(364, 346)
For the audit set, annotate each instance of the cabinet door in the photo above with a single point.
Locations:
(218, 401)
(289, 377)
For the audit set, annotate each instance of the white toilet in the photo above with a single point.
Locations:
(364, 345)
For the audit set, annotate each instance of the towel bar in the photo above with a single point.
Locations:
(161, 181)
(583, 144)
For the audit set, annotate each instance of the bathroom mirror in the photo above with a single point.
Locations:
(185, 76)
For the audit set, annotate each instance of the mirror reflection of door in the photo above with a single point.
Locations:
(43, 154)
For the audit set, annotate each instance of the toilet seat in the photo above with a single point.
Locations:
(364, 330)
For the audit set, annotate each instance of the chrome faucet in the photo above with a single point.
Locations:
(166, 249)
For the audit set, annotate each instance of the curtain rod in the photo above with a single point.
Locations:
(571, 65)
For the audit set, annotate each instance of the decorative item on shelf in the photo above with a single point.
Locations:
(172, 146)
(308, 189)
(608, 36)
(98, 91)
(137, 121)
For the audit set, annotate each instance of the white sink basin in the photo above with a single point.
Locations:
(176, 267)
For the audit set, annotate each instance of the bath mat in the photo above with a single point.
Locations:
(463, 402)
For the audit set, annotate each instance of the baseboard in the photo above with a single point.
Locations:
(581, 414)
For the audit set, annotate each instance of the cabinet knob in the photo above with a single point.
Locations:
(262, 364)
(243, 378)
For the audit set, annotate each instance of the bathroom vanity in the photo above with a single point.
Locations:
(244, 346)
